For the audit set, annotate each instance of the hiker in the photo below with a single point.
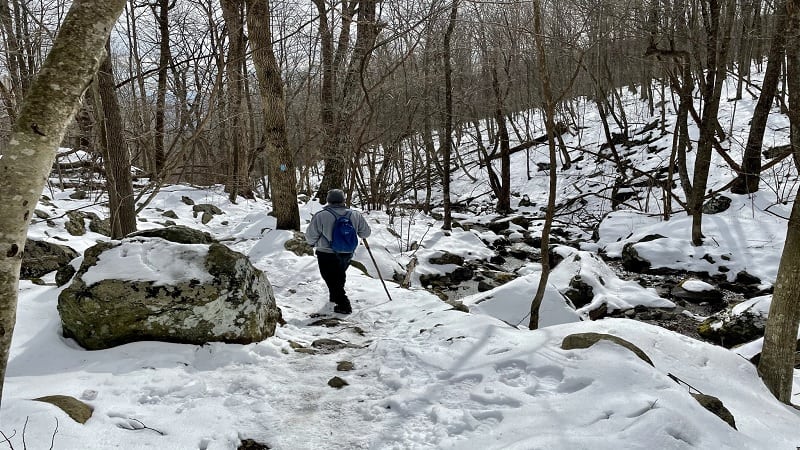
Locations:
(335, 242)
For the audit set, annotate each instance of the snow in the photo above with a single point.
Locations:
(694, 285)
(425, 376)
(162, 262)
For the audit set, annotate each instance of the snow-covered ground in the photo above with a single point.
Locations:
(424, 375)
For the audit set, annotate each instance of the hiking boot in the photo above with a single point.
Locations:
(342, 309)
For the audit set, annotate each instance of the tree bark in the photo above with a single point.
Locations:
(115, 153)
(48, 108)
(776, 365)
(448, 117)
(281, 170)
(749, 177)
(159, 135)
(238, 182)
(504, 189)
(549, 108)
(716, 48)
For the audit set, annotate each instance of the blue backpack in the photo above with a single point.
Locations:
(344, 237)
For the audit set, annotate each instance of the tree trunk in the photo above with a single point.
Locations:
(238, 183)
(776, 365)
(281, 170)
(749, 177)
(159, 135)
(46, 111)
(115, 152)
(335, 155)
(448, 117)
(716, 47)
(504, 191)
(549, 113)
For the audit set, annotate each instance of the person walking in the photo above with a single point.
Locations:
(334, 233)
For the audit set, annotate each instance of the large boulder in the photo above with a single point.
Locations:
(40, 258)
(149, 288)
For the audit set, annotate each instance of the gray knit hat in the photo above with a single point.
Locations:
(335, 197)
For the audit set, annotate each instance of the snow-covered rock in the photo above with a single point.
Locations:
(149, 288)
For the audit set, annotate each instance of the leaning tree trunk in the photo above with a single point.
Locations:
(776, 365)
(121, 205)
(46, 112)
(749, 176)
(281, 159)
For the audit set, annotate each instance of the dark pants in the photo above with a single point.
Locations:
(333, 267)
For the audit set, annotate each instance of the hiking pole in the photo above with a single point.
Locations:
(366, 244)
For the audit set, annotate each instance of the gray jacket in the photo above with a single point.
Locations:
(320, 231)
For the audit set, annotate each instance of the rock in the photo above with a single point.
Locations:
(170, 214)
(497, 226)
(447, 258)
(98, 225)
(731, 327)
(337, 383)
(461, 274)
(64, 274)
(631, 260)
(717, 204)
(250, 444)
(298, 245)
(457, 305)
(234, 304)
(179, 234)
(586, 340)
(206, 208)
(75, 225)
(77, 410)
(523, 252)
(41, 214)
(745, 278)
(525, 201)
(579, 292)
(40, 258)
(330, 344)
(696, 291)
(715, 405)
(599, 312)
(79, 194)
(344, 366)
(483, 286)
(522, 221)
(187, 201)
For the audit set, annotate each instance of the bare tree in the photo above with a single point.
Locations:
(48, 107)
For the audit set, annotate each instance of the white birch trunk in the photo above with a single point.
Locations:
(47, 109)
